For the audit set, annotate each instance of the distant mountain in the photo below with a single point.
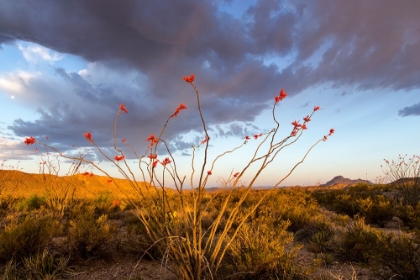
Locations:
(344, 181)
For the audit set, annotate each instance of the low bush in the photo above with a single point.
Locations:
(25, 236)
(34, 202)
(361, 243)
(44, 265)
(261, 251)
(89, 236)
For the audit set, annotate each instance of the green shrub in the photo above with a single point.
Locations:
(259, 252)
(25, 236)
(44, 265)
(33, 202)
(361, 243)
(402, 256)
(324, 259)
(87, 235)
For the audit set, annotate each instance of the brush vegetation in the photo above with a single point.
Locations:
(297, 233)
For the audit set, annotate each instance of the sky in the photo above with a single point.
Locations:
(66, 66)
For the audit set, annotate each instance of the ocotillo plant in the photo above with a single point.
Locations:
(173, 217)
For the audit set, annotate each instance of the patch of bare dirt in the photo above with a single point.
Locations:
(120, 268)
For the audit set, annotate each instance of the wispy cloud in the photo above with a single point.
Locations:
(34, 53)
(413, 110)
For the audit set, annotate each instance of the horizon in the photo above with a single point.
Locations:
(357, 60)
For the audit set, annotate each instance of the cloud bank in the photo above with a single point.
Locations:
(139, 50)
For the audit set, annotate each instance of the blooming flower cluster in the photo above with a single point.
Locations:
(282, 95)
(88, 136)
(152, 140)
(29, 141)
(180, 107)
(205, 140)
(87, 173)
(189, 79)
(329, 134)
(166, 161)
(122, 108)
(297, 126)
(116, 203)
(119, 157)
(152, 156)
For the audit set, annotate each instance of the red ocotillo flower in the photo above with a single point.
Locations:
(122, 108)
(189, 79)
(281, 96)
(205, 140)
(88, 136)
(152, 139)
(152, 156)
(118, 158)
(29, 141)
(180, 107)
(166, 161)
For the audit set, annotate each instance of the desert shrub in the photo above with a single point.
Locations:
(409, 215)
(361, 243)
(405, 175)
(6, 202)
(360, 200)
(44, 265)
(259, 252)
(89, 236)
(103, 203)
(33, 202)
(25, 236)
(401, 255)
(11, 271)
(295, 205)
(324, 259)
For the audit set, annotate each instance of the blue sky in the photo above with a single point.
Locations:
(66, 72)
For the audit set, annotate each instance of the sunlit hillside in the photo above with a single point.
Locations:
(21, 184)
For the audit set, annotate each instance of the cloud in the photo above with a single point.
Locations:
(10, 149)
(33, 53)
(137, 54)
(413, 110)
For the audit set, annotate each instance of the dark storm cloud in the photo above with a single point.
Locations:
(413, 110)
(361, 44)
(368, 44)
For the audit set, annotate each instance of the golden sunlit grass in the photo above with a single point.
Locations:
(20, 184)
